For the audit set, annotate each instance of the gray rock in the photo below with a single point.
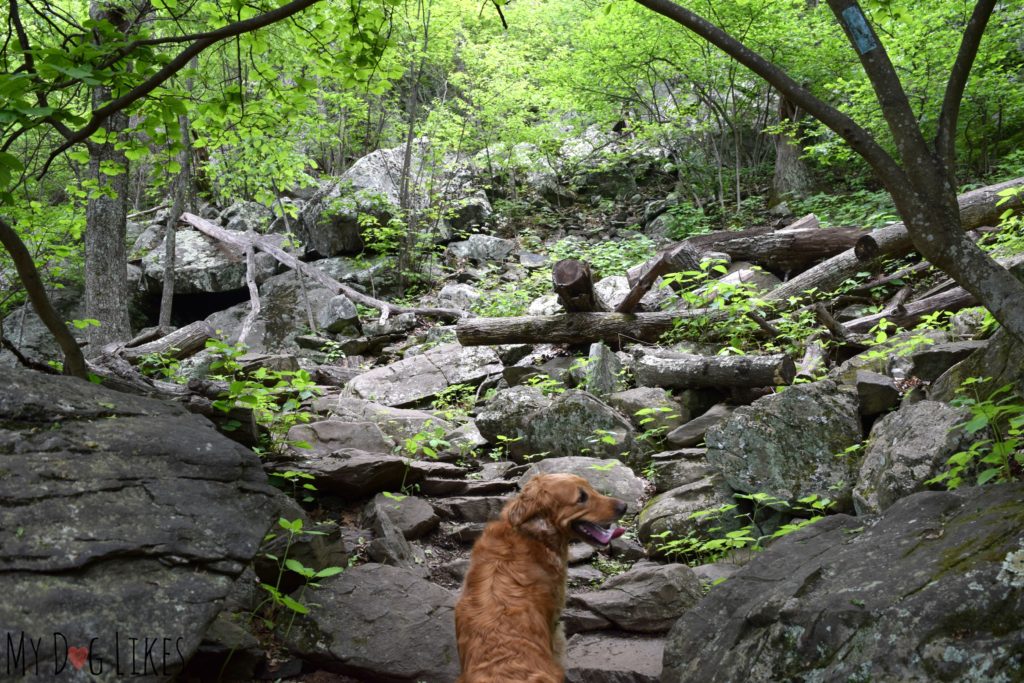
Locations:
(648, 598)
(244, 216)
(381, 623)
(474, 509)
(328, 436)
(661, 411)
(609, 477)
(389, 545)
(202, 264)
(397, 423)
(968, 323)
(1002, 360)
(532, 261)
(26, 331)
(905, 449)
(413, 379)
(413, 516)
(598, 657)
(338, 316)
(785, 444)
(546, 304)
(506, 413)
(482, 249)
(602, 373)
(673, 510)
(672, 469)
(471, 212)
(715, 573)
(577, 423)
(694, 432)
(460, 296)
(926, 593)
(876, 393)
(318, 545)
(930, 362)
(351, 472)
(122, 515)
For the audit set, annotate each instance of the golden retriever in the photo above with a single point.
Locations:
(507, 620)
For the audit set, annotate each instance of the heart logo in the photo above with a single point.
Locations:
(78, 656)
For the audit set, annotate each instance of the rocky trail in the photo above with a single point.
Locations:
(389, 433)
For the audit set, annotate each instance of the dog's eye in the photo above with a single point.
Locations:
(583, 497)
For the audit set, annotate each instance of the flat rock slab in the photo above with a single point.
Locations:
(352, 472)
(413, 379)
(933, 590)
(381, 623)
(123, 518)
(647, 599)
(613, 658)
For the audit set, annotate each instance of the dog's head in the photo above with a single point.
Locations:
(560, 506)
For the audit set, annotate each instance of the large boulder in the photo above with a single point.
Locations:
(907, 448)
(670, 516)
(381, 623)
(482, 249)
(648, 598)
(414, 379)
(124, 517)
(326, 436)
(1002, 360)
(506, 413)
(577, 423)
(29, 335)
(785, 444)
(934, 590)
(203, 264)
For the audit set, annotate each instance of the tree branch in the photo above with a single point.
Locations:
(917, 158)
(859, 139)
(74, 361)
(945, 136)
(149, 85)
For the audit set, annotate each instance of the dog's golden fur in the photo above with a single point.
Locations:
(507, 620)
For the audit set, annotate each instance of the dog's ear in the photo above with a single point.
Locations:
(527, 505)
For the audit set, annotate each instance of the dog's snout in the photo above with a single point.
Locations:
(620, 507)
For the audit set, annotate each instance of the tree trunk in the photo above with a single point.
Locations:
(181, 343)
(692, 371)
(784, 250)
(574, 285)
(106, 214)
(568, 328)
(791, 177)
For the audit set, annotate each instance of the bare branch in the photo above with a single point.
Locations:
(149, 85)
(855, 136)
(945, 137)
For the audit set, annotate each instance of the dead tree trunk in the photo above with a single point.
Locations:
(568, 328)
(574, 284)
(181, 343)
(264, 244)
(691, 371)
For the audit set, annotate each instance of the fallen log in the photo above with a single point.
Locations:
(782, 251)
(569, 328)
(977, 208)
(573, 282)
(692, 371)
(181, 343)
(264, 244)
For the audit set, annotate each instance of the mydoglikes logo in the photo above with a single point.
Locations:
(124, 655)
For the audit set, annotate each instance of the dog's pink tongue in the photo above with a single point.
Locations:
(606, 536)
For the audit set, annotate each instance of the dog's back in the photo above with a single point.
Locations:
(507, 618)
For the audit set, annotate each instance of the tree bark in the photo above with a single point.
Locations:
(568, 328)
(574, 285)
(181, 343)
(106, 215)
(692, 371)
(791, 177)
(782, 250)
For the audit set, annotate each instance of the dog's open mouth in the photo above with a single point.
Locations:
(595, 534)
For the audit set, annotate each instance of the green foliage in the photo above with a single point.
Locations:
(996, 427)
(547, 385)
(686, 220)
(860, 208)
(276, 600)
(276, 397)
(161, 366)
(715, 542)
(1009, 240)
